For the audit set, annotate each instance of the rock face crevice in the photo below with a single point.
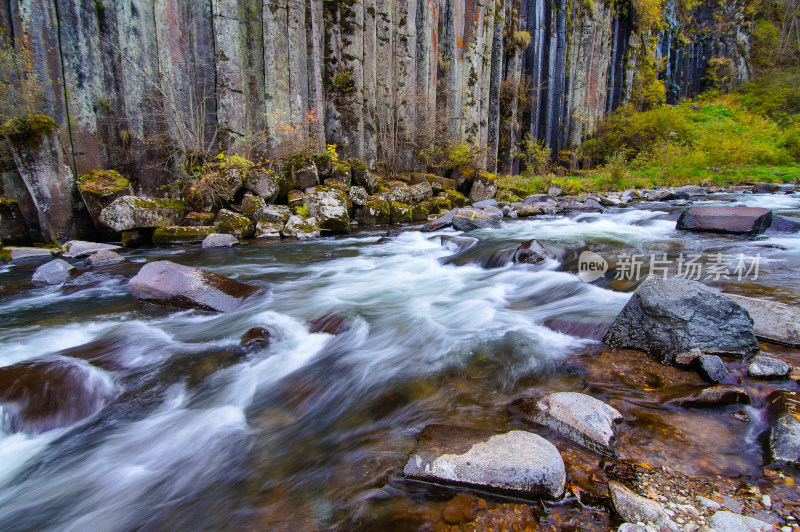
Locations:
(376, 78)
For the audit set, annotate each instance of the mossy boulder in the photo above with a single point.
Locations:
(420, 213)
(362, 176)
(301, 228)
(132, 212)
(28, 129)
(324, 165)
(358, 196)
(251, 204)
(273, 213)
(138, 237)
(304, 172)
(437, 183)
(421, 192)
(99, 188)
(338, 185)
(269, 230)
(181, 234)
(456, 198)
(12, 225)
(443, 204)
(399, 191)
(195, 218)
(342, 172)
(484, 186)
(376, 211)
(234, 224)
(401, 213)
(263, 182)
(330, 209)
(429, 205)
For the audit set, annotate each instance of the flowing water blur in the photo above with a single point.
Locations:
(193, 432)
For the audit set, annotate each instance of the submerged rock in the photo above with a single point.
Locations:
(131, 212)
(219, 240)
(784, 432)
(81, 248)
(516, 462)
(730, 522)
(764, 367)
(740, 220)
(256, 337)
(532, 252)
(633, 508)
(56, 271)
(167, 283)
(581, 418)
(712, 396)
(457, 243)
(665, 317)
(104, 258)
(301, 228)
(181, 234)
(772, 321)
(330, 324)
(442, 222)
(781, 224)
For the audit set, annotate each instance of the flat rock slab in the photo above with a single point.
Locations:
(772, 321)
(768, 368)
(580, 417)
(784, 432)
(167, 283)
(19, 253)
(666, 317)
(104, 258)
(712, 396)
(81, 248)
(731, 522)
(636, 509)
(739, 220)
(517, 462)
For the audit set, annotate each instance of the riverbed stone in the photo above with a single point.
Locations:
(712, 368)
(166, 283)
(516, 462)
(301, 228)
(80, 248)
(104, 258)
(178, 234)
(256, 337)
(781, 224)
(23, 253)
(738, 220)
(580, 417)
(131, 212)
(773, 321)
(784, 433)
(270, 230)
(764, 367)
(57, 271)
(219, 240)
(376, 211)
(469, 219)
(442, 222)
(234, 224)
(712, 396)
(634, 508)
(725, 521)
(329, 207)
(532, 252)
(273, 213)
(665, 317)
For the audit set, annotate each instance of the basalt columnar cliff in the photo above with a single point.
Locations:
(127, 81)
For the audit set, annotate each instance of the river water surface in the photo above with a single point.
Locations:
(192, 432)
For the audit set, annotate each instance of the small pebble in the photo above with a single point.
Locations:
(767, 502)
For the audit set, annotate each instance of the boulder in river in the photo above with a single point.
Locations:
(104, 258)
(301, 228)
(167, 283)
(712, 368)
(81, 248)
(532, 252)
(518, 462)
(784, 432)
(725, 521)
(772, 321)
(635, 509)
(273, 213)
(580, 417)
(665, 317)
(219, 240)
(469, 219)
(131, 212)
(56, 271)
(765, 188)
(764, 367)
(739, 220)
(442, 222)
(178, 234)
(781, 224)
(329, 323)
(234, 224)
(329, 207)
(255, 337)
(712, 396)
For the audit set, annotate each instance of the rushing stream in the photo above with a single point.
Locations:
(194, 432)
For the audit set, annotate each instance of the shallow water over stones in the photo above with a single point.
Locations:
(311, 430)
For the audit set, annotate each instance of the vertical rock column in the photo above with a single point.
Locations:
(276, 70)
(230, 79)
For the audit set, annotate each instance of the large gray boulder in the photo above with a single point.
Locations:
(273, 213)
(54, 272)
(580, 417)
(329, 207)
(469, 219)
(636, 509)
(262, 183)
(484, 186)
(784, 432)
(740, 220)
(131, 212)
(442, 222)
(301, 228)
(104, 258)
(167, 283)
(420, 192)
(517, 462)
(772, 321)
(665, 317)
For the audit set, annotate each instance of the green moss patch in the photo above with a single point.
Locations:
(180, 234)
(102, 182)
(28, 129)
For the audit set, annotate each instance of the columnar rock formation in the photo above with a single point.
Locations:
(128, 81)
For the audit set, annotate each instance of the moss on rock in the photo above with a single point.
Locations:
(181, 234)
(420, 213)
(28, 129)
(234, 224)
(456, 198)
(103, 182)
(400, 213)
(195, 218)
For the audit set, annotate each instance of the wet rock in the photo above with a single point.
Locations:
(765, 188)
(687, 359)
(262, 183)
(731, 522)
(630, 195)
(532, 252)
(738, 220)
(167, 283)
(662, 195)
(251, 204)
(234, 224)
(485, 203)
(330, 324)
(784, 432)
(255, 337)
(781, 224)
(691, 190)
(631, 527)
(358, 195)
(712, 368)
(419, 213)
(376, 211)
(712, 396)
(181, 235)
(484, 186)
(329, 207)
(104, 258)
(633, 508)
(463, 508)
(607, 201)
(269, 230)
(442, 222)
(54, 272)
(494, 212)
(51, 392)
(80, 248)
(21, 253)
(457, 243)
(764, 367)
(555, 190)
(131, 212)
(469, 219)
(772, 321)
(581, 418)
(665, 317)
(516, 462)
(273, 213)
(400, 213)
(301, 228)
(219, 240)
